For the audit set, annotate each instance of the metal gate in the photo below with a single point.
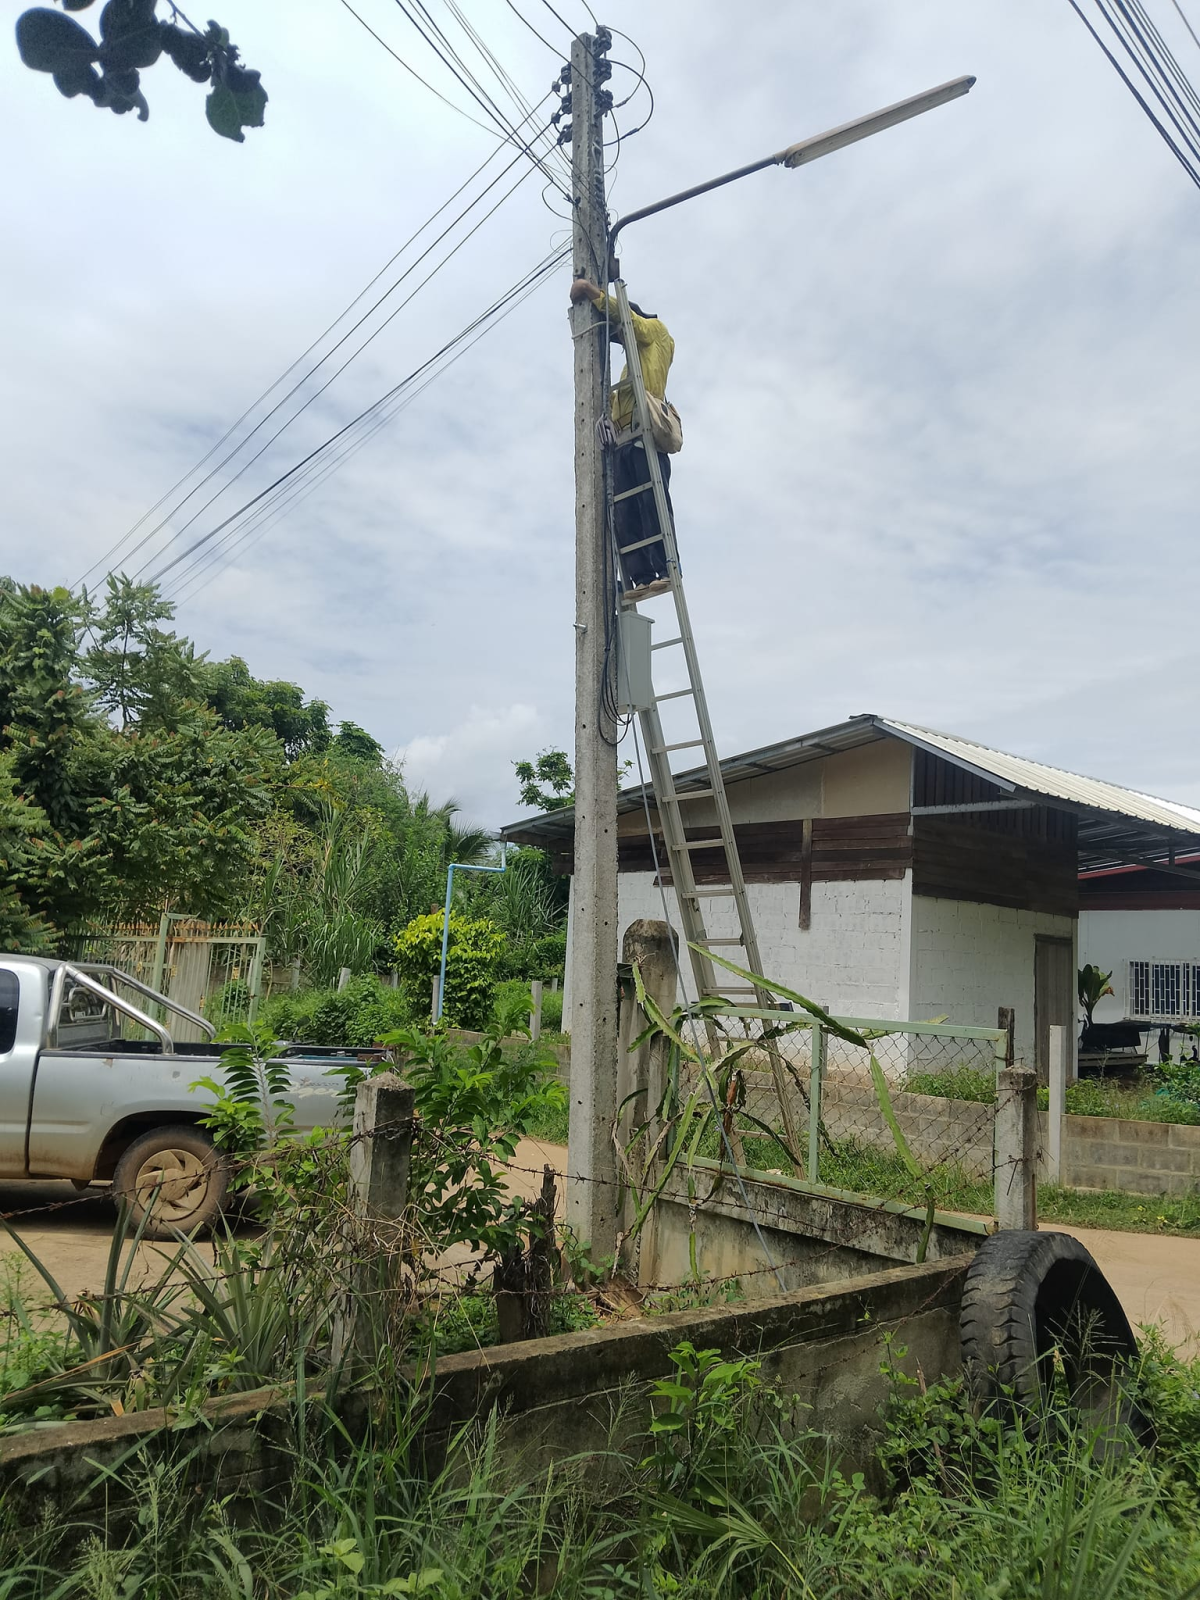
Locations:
(214, 968)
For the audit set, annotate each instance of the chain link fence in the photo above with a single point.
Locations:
(879, 1109)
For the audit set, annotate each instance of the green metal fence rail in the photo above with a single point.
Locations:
(917, 1130)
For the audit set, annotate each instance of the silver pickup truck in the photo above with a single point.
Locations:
(94, 1088)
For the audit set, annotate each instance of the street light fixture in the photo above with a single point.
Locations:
(798, 155)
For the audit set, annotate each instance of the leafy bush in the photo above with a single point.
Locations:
(472, 959)
(357, 1015)
(473, 1106)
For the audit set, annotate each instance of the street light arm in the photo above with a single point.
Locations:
(821, 144)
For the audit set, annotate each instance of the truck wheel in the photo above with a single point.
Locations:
(1033, 1302)
(176, 1177)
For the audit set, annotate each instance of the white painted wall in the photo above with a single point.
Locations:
(1110, 940)
(852, 959)
(968, 960)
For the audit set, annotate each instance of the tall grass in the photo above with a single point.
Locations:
(752, 1507)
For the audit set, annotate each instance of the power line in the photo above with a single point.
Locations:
(505, 303)
(1156, 72)
(521, 17)
(1184, 20)
(234, 426)
(354, 354)
(1149, 64)
(378, 416)
(464, 75)
(424, 82)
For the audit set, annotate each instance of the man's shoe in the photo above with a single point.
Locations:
(645, 591)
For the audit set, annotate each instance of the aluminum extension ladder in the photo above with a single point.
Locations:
(684, 840)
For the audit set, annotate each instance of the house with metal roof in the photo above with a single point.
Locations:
(897, 872)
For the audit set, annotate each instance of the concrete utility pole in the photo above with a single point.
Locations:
(591, 1191)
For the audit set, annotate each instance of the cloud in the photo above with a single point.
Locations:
(938, 402)
(468, 761)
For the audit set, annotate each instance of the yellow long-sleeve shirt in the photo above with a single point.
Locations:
(656, 349)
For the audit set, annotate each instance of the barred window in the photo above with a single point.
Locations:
(1164, 991)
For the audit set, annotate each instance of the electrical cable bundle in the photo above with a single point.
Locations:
(1158, 83)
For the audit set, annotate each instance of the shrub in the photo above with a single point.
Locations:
(473, 955)
(357, 1015)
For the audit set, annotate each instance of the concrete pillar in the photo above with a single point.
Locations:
(1016, 1148)
(651, 947)
(381, 1147)
(380, 1153)
(1059, 1058)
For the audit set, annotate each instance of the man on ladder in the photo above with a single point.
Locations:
(645, 568)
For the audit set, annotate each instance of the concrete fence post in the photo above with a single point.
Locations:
(641, 1074)
(1058, 1102)
(343, 978)
(1016, 1148)
(381, 1147)
(380, 1155)
(535, 1016)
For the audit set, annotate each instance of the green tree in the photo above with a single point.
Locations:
(138, 671)
(107, 70)
(547, 781)
(241, 700)
(357, 743)
(20, 927)
(44, 713)
(173, 812)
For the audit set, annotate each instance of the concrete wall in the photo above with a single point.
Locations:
(853, 958)
(557, 1396)
(803, 1237)
(1110, 940)
(1138, 1157)
(968, 960)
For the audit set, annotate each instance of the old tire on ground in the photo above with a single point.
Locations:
(1034, 1300)
(175, 1174)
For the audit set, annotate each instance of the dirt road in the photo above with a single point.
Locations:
(1157, 1277)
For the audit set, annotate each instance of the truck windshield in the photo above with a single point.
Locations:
(10, 994)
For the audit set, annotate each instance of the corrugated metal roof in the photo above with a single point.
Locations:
(1115, 824)
(1016, 772)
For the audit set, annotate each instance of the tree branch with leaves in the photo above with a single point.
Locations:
(107, 70)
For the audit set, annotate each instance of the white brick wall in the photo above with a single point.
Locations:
(968, 960)
(852, 959)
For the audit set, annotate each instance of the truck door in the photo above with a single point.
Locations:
(20, 1038)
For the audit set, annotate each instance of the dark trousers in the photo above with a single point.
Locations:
(635, 518)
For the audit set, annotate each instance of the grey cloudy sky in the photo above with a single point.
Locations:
(939, 390)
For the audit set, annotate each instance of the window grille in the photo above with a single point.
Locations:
(1164, 991)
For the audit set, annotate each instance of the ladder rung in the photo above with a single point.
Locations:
(665, 644)
(703, 844)
(723, 994)
(710, 894)
(628, 494)
(684, 744)
(692, 794)
(719, 941)
(673, 694)
(640, 545)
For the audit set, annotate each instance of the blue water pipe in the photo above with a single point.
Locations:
(459, 866)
